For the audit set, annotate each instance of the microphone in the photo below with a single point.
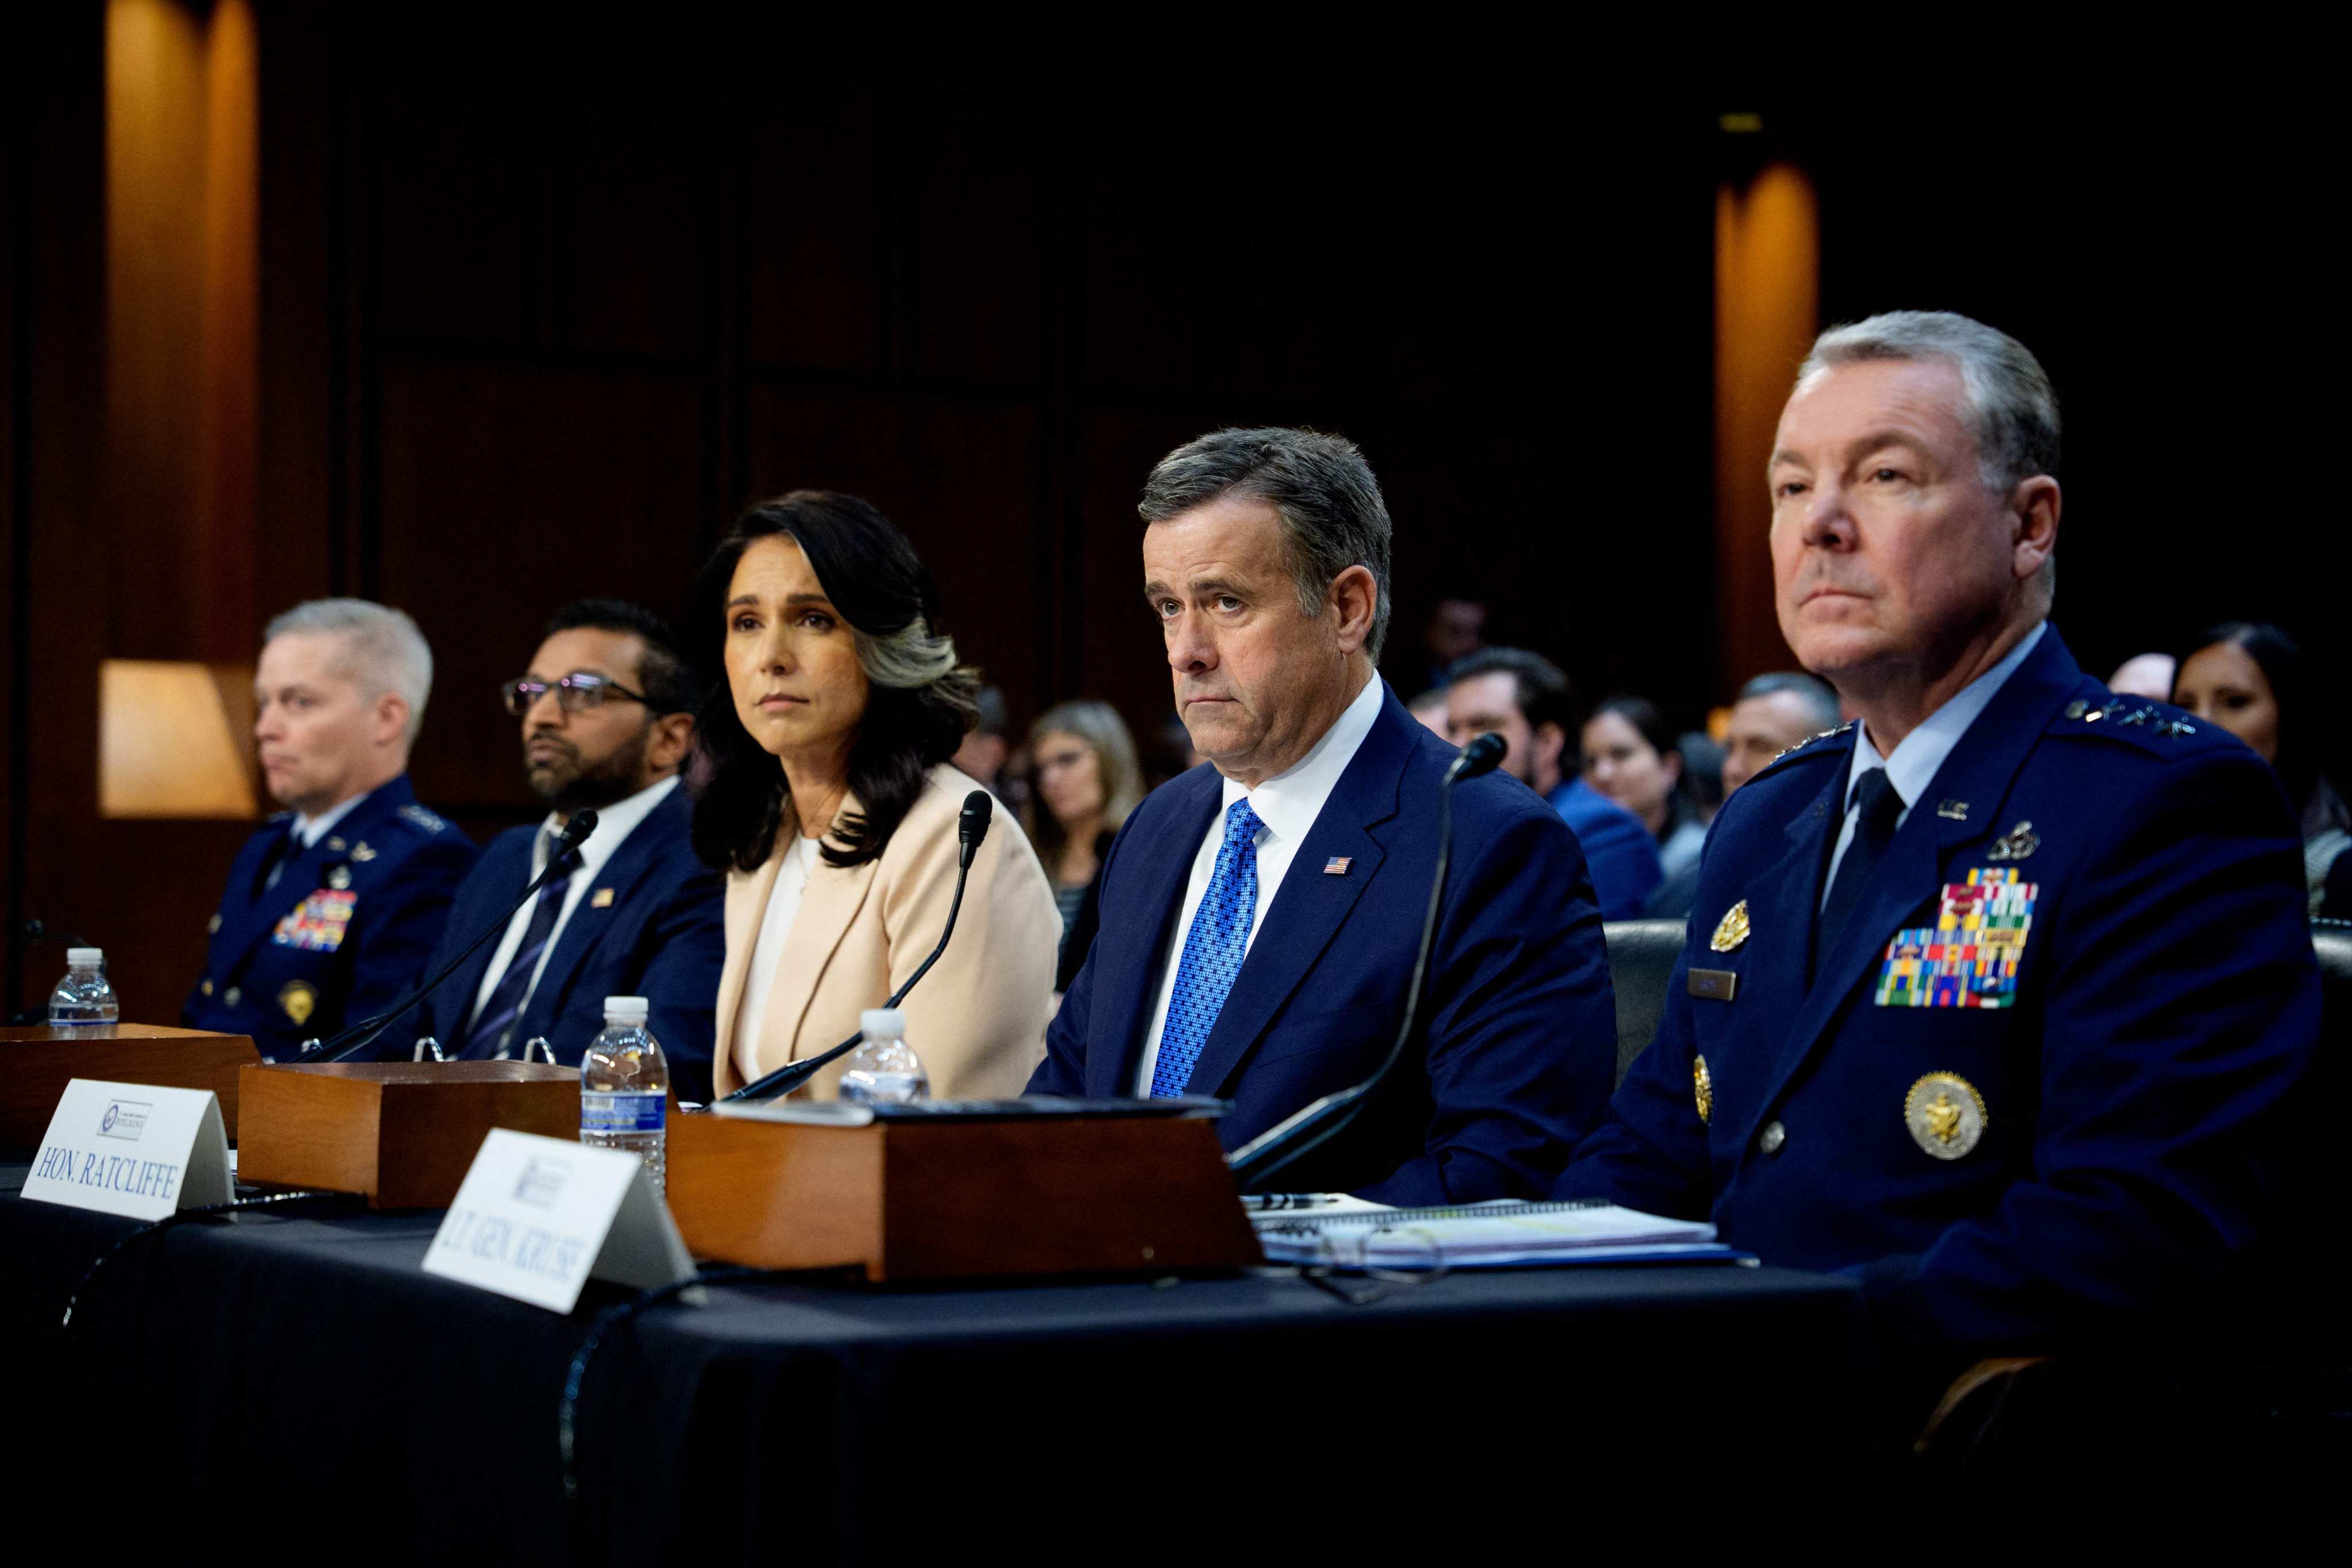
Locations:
(971, 828)
(362, 1035)
(1289, 1139)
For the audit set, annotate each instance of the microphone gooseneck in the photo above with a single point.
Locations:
(971, 828)
(1298, 1135)
(362, 1035)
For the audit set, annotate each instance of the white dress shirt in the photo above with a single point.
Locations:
(615, 823)
(1287, 806)
(1915, 762)
(768, 953)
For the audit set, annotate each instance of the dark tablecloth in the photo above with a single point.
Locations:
(302, 1377)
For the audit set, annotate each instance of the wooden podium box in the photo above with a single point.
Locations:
(941, 1199)
(42, 1060)
(401, 1132)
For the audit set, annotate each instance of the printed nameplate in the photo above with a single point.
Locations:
(132, 1149)
(536, 1217)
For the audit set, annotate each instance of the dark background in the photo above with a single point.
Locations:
(540, 311)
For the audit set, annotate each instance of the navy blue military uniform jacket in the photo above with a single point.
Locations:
(2034, 1090)
(344, 933)
(1513, 1057)
(652, 924)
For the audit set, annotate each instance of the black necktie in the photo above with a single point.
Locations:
(1873, 829)
(274, 862)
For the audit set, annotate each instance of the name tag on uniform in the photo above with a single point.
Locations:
(1714, 985)
(317, 925)
(1969, 958)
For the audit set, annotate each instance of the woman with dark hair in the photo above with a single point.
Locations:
(2248, 679)
(1087, 780)
(828, 800)
(1631, 756)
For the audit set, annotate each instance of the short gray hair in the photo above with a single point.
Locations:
(1332, 514)
(380, 644)
(2012, 407)
(1816, 693)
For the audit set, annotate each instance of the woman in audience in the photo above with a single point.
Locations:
(1087, 780)
(1630, 756)
(833, 808)
(2248, 679)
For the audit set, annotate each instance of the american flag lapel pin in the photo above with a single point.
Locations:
(1337, 865)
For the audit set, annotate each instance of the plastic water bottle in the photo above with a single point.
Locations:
(625, 1088)
(884, 1069)
(83, 997)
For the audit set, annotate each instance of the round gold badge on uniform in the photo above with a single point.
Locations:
(1945, 1115)
(298, 1001)
(1732, 929)
(1702, 1088)
(340, 877)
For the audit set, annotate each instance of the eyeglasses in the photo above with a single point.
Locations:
(574, 693)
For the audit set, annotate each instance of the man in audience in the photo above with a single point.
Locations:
(1456, 628)
(1260, 917)
(2145, 675)
(1430, 708)
(1773, 713)
(985, 745)
(1524, 698)
(607, 717)
(335, 904)
(1997, 998)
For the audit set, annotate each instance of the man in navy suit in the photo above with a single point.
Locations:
(1523, 697)
(607, 719)
(1996, 999)
(1260, 915)
(334, 903)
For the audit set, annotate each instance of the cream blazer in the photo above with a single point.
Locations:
(978, 1019)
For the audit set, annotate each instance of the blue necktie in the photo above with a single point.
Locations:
(497, 1014)
(1214, 950)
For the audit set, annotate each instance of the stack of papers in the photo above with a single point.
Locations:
(1348, 1233)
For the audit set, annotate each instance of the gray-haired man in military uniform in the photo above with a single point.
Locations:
(335, 907)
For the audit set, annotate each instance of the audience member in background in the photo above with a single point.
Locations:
(1456, 628)
(1260, 917)
(835, 812)
(1431, 708)
(607, 717)
(2076, 1133)
(334, 906)
(1772, 714)
(1087, 780)
(1524, 698)
(2249, 679)
(2145, 675)
(1630, 756)
(1702, 773)
(1013, 784)
(1171, 754)
(982, 753)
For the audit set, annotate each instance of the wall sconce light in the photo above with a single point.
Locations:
(169, 741)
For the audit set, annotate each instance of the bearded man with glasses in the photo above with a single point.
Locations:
(607, 716)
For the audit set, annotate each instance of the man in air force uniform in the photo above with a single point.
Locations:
(333, 907)
(1995, 997)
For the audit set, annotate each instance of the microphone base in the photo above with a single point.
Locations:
(402, 1133)
(910, 1200)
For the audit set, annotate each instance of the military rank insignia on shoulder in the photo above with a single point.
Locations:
(1815, 737)
(428, 820)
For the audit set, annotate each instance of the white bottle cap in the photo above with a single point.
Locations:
(85, 957)
(627, 1010)
(883, 1023)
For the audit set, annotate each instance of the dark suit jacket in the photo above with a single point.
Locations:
(662, 935)
(343, 935)
(2165, 1005)
(1511, 1062)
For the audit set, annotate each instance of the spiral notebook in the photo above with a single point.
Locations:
(1348, 1233)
